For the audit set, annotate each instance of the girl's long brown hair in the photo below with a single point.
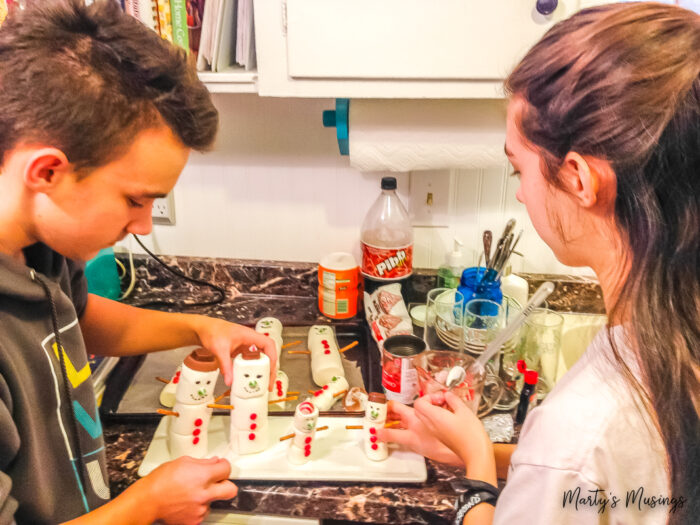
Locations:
(621, 82)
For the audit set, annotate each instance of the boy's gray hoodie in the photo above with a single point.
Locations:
(52, 459)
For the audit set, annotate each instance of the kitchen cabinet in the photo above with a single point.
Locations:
(391, 48)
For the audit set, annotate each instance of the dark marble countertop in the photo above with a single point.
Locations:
(288, 291)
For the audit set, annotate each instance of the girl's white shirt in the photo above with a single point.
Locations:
(589, 434)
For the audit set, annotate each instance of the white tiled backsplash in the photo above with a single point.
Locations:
(275, 187)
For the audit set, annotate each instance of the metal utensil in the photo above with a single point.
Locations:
(455, 377)
(494, 346)
(487, 238)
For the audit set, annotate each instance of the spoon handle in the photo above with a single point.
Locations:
(538, 297)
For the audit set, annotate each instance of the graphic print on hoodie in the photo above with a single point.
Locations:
(39, 476)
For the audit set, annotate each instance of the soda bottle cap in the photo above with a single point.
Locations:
(388, 183)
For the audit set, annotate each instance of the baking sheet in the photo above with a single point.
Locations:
(336, 455)
(140, 396)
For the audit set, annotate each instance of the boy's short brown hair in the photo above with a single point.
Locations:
(87, 79)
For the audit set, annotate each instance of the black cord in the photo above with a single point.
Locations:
(221, 291)
(64, 374)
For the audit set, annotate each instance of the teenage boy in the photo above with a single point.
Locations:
(98, 117)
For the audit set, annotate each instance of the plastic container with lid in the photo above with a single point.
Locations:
(338, 290)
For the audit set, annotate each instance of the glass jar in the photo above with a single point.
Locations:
(473, 285)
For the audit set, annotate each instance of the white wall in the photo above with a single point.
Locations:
(275, 187)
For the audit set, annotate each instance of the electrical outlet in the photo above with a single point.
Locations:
(164, 210)
(430, 198)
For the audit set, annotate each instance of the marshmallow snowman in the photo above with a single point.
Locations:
(272, 328)
(249, 396)
(375, 418)
(279, 390)
(326, 362)
(325, 398)
(167, 395)
(187, 433)
(305, 420)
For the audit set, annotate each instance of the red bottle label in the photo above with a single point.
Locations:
(385, 263)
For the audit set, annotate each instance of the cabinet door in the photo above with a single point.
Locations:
(413, 39)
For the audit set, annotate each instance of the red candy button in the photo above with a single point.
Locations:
(253, 416)
(198, 422)
(251, 436)
(195, 441)
(308, 440)
(318, 393)
(253, 426)
(325, 387)
(196, 432)
(326, 352)
(373, 439)
(267, 334)
(307, 453)
(372, 430)
(374, 446)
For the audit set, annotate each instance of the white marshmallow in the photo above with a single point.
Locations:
(248, 442)
(305, 420)
(187, 433)
(326, 396)
(325, 357)
(195, 387)
(249, 397)
(375, 418)
(167, 395)
(279, 389)
(272, 327)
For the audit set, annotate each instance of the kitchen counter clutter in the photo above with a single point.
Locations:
(288, 291)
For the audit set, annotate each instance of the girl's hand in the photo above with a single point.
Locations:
(460, 430)
(415, 435)
(224, 339)
(181, 490)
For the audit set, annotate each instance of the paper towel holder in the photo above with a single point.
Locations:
(338, 119)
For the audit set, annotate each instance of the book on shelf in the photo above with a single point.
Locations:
(227, 37)
(178, 16)
(165, 25)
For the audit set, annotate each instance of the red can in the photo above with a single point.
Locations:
(399, 377)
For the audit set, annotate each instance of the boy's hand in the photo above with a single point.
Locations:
(181, 490)
(416, 435)
(224, 339)
(458, 427)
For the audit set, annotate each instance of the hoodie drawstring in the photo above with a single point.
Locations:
(64, 374)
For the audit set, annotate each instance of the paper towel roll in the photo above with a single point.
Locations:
(411, 135)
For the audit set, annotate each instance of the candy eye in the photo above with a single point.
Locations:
(209, 382)
(197, 382)
(246, 375)
(258, 376)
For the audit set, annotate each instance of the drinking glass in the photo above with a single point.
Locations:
(443, 320)
(483, 319)
(432, 368)
(508, 366)
(540, 345)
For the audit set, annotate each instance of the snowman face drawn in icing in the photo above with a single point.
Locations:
(265, 323)
(321, 330)
(195, 387)
(250, 377)
(375, 412)
(305, 417)
(251, 382)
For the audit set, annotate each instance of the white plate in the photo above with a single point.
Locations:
(337, 455)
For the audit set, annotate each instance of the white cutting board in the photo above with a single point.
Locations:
(337, 455)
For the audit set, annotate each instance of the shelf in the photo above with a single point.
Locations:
(232, 80)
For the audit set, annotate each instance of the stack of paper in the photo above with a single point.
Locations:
(227, 36)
